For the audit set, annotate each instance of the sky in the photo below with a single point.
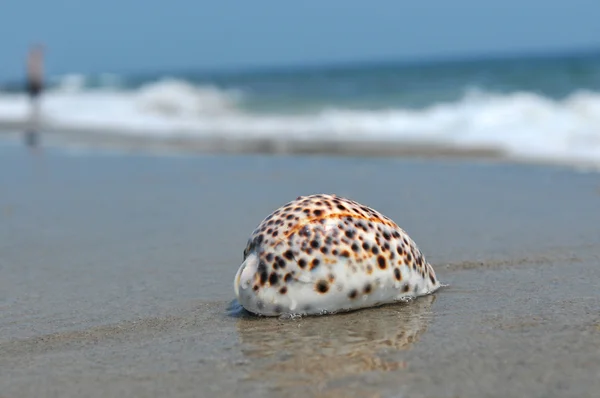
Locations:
(116, 36)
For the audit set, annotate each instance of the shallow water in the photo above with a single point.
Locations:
(117, 275)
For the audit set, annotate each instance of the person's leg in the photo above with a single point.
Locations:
(31, 135)
(34, 101)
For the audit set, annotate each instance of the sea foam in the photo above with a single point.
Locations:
(523, 124)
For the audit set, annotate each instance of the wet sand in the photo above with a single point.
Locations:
(116, 280)
(190, 142)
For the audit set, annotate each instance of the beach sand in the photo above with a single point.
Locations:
(116, 279)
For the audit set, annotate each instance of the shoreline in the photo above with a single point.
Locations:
(184, 144)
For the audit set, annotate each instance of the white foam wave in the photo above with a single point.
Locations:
(523, 124)
(174, 98)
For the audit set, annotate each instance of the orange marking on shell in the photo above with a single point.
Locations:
(333, 216)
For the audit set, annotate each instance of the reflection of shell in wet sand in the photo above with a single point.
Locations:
(326, 348)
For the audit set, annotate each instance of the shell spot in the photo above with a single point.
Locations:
(368, 288)
(283, 290)
(350, 233)
(273, 278)
(381, 262)
(353, 294)
(432, 278)
(263, 278)
(262, 267)
(406, 288)
(280, 262)
(314, 263)
(288, 254)
(322, 286)
(397, 274)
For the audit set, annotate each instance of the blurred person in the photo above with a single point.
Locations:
(35, 86)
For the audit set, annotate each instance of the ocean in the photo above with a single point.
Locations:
(536, 107)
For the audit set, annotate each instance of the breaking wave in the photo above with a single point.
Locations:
(523, 124)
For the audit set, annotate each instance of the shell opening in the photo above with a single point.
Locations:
(245, 274)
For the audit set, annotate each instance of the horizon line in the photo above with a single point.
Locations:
(359, 63)
(353, 64)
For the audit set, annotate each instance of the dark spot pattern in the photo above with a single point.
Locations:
(288, 254)
(397, 274)
(381, 262)
(322, 286)
(432, 278)
(325, 239)
(280, 263)
(263, 277)
(314, 263)
(273, 279)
